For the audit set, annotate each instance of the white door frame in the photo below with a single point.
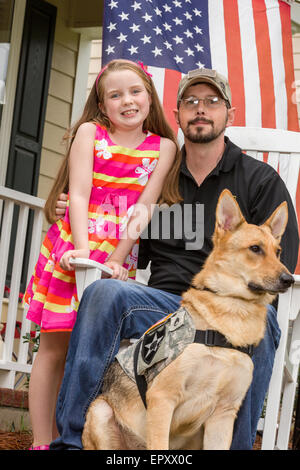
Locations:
(11, 84)
(81, 77)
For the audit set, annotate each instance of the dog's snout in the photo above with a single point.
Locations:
(286, 279)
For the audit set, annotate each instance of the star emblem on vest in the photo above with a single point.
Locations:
(151, 345)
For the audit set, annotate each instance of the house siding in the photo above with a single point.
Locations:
(95, 63)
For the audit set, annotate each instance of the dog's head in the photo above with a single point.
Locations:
(245, 261)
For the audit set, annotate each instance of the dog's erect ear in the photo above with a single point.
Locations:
(228, 213)
(278, 220)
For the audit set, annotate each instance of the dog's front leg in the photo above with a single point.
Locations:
(218, 430)
(159, 416)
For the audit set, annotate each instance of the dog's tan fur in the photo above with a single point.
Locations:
(194, 401)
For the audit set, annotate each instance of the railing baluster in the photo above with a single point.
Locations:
(9, 199)
(34, 251)
(4, 245)
(15, 282)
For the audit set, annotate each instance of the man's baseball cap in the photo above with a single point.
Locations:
(209, 76)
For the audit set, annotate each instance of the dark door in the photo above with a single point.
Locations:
(30, 108)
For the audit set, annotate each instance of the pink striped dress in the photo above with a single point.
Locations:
(119, 176)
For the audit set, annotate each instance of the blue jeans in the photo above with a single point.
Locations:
(112, 310)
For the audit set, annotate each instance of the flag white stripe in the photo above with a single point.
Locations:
(217, 37)
(250, 64)
(274, 22)
(158, 77)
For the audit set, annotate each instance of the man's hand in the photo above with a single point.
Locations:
(61, 205)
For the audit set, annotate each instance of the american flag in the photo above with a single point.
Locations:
(249, 41)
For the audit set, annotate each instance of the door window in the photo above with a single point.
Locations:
(6, 16)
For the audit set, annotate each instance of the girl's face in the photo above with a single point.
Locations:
(126, 100)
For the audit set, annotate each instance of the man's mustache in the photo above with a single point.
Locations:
(199, 120)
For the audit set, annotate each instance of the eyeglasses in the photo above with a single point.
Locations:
(209, 102)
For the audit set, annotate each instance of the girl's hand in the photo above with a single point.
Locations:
(65, 259)
(118, 271)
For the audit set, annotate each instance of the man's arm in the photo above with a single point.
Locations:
(61, 205)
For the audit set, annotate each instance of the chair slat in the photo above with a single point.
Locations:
(284, 163)
(293, 177)
(273, 160)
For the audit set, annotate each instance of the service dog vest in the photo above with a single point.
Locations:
(160, 345)
(163, 343)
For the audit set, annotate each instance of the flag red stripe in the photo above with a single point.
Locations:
(263, 47)
(172, 79)
(285, 16)
(234, 59)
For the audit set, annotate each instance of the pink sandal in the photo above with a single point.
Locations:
(39, 448)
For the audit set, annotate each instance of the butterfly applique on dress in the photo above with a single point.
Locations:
(145, 170)
(101, 149)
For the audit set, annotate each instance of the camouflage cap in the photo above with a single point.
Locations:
(209, 76)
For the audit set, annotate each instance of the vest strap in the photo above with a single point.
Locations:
(214, 338)
(207, 337)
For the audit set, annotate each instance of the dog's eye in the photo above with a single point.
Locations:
(278, 252)
(255, 249)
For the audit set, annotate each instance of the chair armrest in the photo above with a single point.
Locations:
(86, 272)
(89, 263)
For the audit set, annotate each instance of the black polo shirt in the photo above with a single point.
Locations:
(258, 189)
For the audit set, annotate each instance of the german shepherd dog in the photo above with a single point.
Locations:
(193, 402)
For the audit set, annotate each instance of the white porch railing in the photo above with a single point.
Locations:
(12, 360)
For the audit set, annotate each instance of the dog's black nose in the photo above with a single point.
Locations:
(286, 279)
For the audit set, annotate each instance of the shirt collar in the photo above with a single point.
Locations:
(231, 154)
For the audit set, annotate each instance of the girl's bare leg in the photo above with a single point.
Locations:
(47, 371)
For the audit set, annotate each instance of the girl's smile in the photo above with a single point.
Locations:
(130, 112)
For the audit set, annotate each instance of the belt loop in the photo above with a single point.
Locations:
(209, 339)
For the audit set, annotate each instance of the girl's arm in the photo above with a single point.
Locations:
(80, 183)
(147, 200)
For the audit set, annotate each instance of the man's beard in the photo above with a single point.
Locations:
(197, 136)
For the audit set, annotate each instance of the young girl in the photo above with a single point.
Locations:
(120, 140)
